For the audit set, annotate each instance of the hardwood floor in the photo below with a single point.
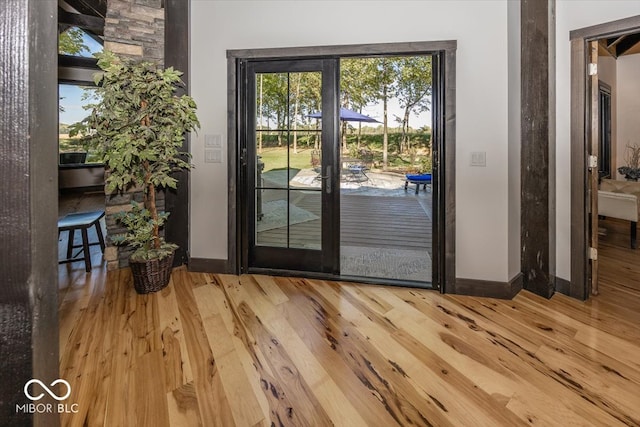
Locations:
(258, 350)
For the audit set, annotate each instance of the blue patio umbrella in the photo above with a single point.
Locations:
(347, 115)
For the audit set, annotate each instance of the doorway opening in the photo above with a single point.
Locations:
(604, 201)
(320, 181)
(386, 226)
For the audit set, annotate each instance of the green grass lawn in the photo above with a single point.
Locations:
(276, 158)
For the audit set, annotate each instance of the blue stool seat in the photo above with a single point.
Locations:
(419, 179)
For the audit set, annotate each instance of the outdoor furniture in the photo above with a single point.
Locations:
(353, 170)
(316, 161)
(81, 221)
(357, 173)
(420, 179)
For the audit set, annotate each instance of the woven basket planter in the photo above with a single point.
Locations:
(151, 276)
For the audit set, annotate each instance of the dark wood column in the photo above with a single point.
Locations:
(538, 146)
(28, 206)
(176, 45)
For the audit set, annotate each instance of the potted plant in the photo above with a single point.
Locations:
(632, 157)
(138, 125)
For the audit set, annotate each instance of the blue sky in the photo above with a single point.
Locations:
(71, 100)
(71, 95)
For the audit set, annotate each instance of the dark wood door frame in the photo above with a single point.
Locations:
(580, 131)
(444, 122)
(176, 54)
(28, 207)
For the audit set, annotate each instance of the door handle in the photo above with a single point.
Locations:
(327, 178)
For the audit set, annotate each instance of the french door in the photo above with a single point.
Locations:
(288, 168)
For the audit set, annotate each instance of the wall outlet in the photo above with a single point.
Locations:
(479, 158)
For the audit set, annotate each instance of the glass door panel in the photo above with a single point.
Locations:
(284, 133)
(289, 157)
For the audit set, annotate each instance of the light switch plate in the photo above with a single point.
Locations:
(212, 156)
(479, 158)
(213, 141)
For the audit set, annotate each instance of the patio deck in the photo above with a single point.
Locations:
(383, 233)
(395, 223)
(368, 221)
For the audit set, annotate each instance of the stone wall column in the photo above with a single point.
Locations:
(135, 29)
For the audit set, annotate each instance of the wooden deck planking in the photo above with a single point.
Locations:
(369, 221)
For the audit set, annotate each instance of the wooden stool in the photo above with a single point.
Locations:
(81, 221)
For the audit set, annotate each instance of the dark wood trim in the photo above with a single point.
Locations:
(490, 289)
(91, 7)
(28, 206)
(94, 24)
(209, 265)
(593, 125)
(538, 148)
(579, 200)
(176, 54)
(77, 70)
(234, 214)
(76, 76)
(331, 156)
(607, 29)
(444, 171)
(447, 200)
(409, 48)
(580, 287)
(563, 286)
(334, 277)
(551, 151)
(78, 62)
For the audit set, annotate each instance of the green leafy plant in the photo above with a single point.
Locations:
(138, 126)
(426, 164)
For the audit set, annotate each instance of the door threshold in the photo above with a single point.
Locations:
(339, 278)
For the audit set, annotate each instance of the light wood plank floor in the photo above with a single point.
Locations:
(257, 350)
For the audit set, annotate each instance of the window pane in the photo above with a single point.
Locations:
(73, 100)
(288, 160)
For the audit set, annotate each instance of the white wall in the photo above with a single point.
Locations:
(628, 104)
(514, 138)
(479, 26)
(572, 15)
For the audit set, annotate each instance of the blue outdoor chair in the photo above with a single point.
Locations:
(423, 179)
